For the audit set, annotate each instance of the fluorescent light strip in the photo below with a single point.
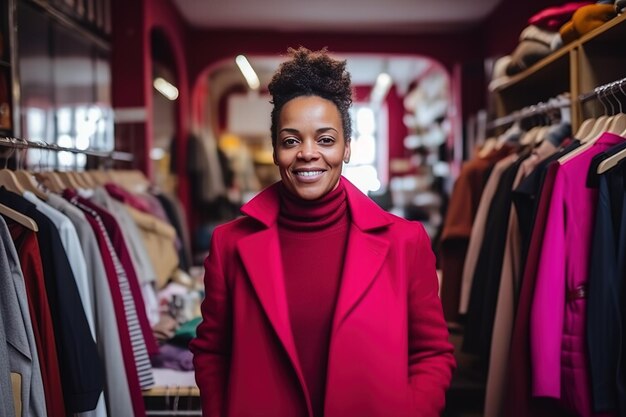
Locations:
(381, 88)
(166, 88)
(248, 72)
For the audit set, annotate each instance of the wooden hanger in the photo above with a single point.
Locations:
(10, 181)
(67, 180)
(584, 128)
(51, 181)
(530, 136)
(28, 182)
(611, 161)
(18, 217)
(86, 179)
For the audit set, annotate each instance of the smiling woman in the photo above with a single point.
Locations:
(318, 302)
(311, 147)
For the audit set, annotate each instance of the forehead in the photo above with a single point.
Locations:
(310, 109)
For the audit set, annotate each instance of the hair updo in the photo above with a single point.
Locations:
(311, 73)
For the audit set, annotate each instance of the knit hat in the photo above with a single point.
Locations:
(586, 19)
(498, 75)
(526, 54)
(590, 17)
(535, 33)
(535, 44)
(568, 33)
(552, 18)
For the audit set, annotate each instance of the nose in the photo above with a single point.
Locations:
(308, 151)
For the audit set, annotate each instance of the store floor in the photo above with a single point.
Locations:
(466, 395)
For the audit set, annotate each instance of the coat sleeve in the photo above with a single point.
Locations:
(212, 345)
(431, 361)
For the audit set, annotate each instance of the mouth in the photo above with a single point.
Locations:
(308, 175)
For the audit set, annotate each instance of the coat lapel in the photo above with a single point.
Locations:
(261, 256)
(365, 254)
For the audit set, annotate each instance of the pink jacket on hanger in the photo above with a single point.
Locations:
(557, 327)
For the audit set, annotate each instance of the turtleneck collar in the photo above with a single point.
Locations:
(299, 214)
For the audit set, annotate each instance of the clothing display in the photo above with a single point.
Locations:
(80, 301)
(532, 316)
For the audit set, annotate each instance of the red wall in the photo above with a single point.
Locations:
(132, 76)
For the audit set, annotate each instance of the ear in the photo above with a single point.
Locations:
(346, 153)
(274, 157)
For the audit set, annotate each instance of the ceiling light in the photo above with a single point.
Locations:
(248, 72)
(381, 88)
(166, 88)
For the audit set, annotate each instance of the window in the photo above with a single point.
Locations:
(367, 168)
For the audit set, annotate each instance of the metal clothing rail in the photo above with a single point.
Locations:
(603, 90)
(18, 143)
(535, 109)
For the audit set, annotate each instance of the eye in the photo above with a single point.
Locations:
(326, 140)
(289, 141)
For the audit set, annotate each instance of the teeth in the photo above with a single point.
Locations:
(308, 173)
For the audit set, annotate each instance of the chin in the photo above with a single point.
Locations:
(310, 193)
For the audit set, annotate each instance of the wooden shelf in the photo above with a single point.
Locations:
(552, 62)
(597, 58)
(172, 392)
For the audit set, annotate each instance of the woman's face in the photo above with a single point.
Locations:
(310, 148)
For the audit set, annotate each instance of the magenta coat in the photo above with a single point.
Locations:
(389, 350)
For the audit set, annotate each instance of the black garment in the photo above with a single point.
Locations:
(486, 283)
(184, 252)
(605, 303)
(593, 179)
(82, 374)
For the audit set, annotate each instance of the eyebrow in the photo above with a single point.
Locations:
(320, 130)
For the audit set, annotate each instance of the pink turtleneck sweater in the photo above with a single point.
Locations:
(313, 237)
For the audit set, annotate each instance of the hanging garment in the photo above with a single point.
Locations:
(505, 309)
(605, 306)
(73, 251)
(136, 360)
(458, 226)
(137, 250)
(159, 240)
(486, 283)
(478, 230)
(177, 218)
(81, 369)
(22, 348)
(25, 242)
(117, 394)
(558, 350)
(526, 200)
(7, 399)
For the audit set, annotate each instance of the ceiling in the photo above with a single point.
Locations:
(399, 16)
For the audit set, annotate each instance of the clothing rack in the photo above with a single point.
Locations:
(533, 110)
(173, 396)
(602, 91)
(18, 143)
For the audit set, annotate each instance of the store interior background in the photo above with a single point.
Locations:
(82, 74)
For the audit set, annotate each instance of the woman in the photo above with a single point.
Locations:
(319, 303)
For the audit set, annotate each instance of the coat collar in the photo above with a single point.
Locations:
(365, 214)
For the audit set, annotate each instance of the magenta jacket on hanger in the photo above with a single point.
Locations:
(389, 353)
(558, 345)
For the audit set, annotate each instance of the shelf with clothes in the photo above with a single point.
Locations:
(594, 58)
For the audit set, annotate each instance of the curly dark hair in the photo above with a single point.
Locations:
(312, 73)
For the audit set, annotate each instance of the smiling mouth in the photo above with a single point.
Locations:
(308, 174)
